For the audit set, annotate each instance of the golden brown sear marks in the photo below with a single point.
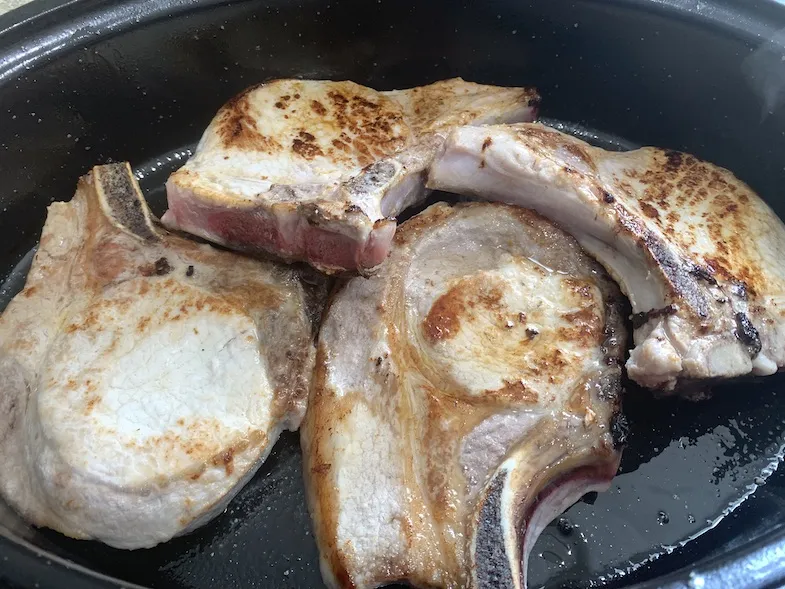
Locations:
(686, 197)
(376, 126)
(682, 196)
(580, 154)
(514, 391)
(318, 108)
(349, 123)
(238, 127)
(435, 106)
(444, 319)
(305, 146)
(584, 324)
(649, 210)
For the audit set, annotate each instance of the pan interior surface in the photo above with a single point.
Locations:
(697, 479)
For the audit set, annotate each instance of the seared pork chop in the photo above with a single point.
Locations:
(698, 253)
(143, 377)
(463, 397)
(318, 170)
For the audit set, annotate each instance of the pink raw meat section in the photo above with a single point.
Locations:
(252, 229)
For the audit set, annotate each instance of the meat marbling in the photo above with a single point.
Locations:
(463, 396)
(318, 170)
(143, 377)
(697, 252)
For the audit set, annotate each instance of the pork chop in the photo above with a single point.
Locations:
(697, 252)
(143, 377)
(463, 397)
(318, 170)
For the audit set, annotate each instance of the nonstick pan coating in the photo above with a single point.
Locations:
(87, 82)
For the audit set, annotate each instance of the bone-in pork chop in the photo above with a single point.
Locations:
(318, 170)
(697, 252)
(143, 377)
(463, 397)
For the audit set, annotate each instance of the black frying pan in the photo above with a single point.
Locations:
(89, 81)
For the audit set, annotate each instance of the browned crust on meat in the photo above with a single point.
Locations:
(237, 126)
(372, 123)
(306, 147)
(670, 204)
(408, 232)
(323, 499)
(669, 261)
(678, 182)
(346, 121)
(433, 104)
(444, 319)
(515, 391)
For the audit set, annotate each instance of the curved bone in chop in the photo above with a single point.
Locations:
(463, 397)
(317, 170)
(696, 251)
(143, 377)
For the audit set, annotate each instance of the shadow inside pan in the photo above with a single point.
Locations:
(686, 470)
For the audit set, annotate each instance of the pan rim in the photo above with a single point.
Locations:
(48, 23)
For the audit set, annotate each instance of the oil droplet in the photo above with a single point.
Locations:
(552, 558)
(696, 581)
(662, 518)
(564, 526)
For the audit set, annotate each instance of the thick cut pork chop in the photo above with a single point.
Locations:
(699, 255)
(143, 377)
(318, 170)
(463, 397)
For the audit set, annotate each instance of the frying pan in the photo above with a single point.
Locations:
(698, 501)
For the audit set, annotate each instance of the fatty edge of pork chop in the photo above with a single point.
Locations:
(143, 377)
(317, 170)
(463, 397)
(697, 252)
